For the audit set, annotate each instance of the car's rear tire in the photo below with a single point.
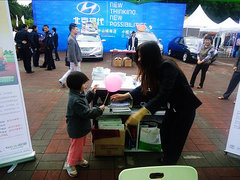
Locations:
(170, 52)
(185, 57)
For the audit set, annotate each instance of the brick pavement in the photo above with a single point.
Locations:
(46, 105)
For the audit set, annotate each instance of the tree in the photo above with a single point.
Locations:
(19, 10)
(217, 11)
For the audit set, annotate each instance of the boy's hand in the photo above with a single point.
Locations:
(102, 107)
(94, 89)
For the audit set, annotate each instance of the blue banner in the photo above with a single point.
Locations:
(116, 19)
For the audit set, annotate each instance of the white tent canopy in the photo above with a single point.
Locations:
(199, 19)
(229, 25)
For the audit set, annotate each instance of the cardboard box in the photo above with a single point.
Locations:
(117, 62)
(128, 63)
(110, 146)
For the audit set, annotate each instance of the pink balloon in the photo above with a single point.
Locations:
(113, 82)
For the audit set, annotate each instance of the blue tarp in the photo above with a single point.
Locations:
(116, 19)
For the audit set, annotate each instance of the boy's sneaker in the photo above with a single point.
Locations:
(62, 84)
(84, 163)
(71, 170)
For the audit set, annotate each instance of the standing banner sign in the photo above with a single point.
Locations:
(233, 143)
(15, 142)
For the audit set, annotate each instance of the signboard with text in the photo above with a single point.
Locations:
(14, 132)
(233, 142)
(116, 19)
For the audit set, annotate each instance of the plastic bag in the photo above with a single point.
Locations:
(150, 139)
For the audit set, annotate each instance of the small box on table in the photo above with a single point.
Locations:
(127, 62)
(117, 62)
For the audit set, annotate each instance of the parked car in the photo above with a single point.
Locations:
(91, 46)
(148, 36)
(184, 48)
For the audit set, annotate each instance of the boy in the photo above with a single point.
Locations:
(78, 119)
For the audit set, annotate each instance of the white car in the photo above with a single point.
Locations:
(91, 45)
(148, 36)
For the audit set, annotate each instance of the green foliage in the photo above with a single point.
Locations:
(217, 11)
(29, 22)
(19, 10)
(141, 1)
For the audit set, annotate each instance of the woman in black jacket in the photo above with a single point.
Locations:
(164, 84)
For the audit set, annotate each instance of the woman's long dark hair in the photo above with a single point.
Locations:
(151, 59)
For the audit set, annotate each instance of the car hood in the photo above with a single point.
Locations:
(193, 49)
(143, 41)
(90, 44)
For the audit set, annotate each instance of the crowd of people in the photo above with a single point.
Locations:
(28, 47)
(163, 84)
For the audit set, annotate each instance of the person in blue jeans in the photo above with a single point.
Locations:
(237, 45)
(234, 81)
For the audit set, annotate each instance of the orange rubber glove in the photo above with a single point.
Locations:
(135, 118)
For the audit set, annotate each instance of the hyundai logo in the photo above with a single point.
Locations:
(88, 8)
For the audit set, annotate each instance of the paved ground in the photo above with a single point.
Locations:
(46, 104)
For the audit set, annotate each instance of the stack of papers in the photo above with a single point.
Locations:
(118, 107)
(121, 110)
(99, 73)
(110, 123)
(119, 104)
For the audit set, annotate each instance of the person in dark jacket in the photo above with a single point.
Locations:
(48, 48)
(203, 62)
(23, 42)
(78, 119)
(133, 42)
(234, 80)
(132, 45)
(163, 84)
(55, 41)
(35, 45)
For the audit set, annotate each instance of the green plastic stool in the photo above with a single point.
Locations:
(159, 173)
